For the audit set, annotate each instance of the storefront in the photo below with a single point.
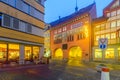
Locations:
(13, 52)
(109, 54)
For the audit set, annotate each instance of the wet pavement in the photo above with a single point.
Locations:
(55, 71)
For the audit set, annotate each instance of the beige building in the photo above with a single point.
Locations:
(21, 30)
(108, 27)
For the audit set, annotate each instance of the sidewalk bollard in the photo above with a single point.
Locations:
(105, 74)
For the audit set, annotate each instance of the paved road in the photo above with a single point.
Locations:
(54, 71)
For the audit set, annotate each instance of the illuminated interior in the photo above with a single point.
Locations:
(109, 54)
(75, 52)
(13, 52)
(59, 54)
(98, 53)
(3, 52)
(36, 51)
(28, 53)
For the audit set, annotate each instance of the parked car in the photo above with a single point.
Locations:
(100, 66)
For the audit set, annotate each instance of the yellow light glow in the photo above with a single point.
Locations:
(58, 53)
(75, 52)
(86, 32)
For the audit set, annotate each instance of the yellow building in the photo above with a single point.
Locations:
(47, 51)
(21, 30)
(108, 27)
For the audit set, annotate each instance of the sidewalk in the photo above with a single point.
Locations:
(11, 67)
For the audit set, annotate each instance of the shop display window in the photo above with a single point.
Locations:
(36, 51)
(98, 53)
(3, 52)
(109, 54)
(28, 53)
(13, 52)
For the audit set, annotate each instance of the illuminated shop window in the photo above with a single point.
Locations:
(13, 52)
(113, 24)
(108, 36)
(28, 53)
(113, 35)
(109, 53)
(118, 22)
(3, 52)
(98, 53)
(36, 52)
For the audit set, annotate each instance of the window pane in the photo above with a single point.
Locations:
(109, 54)
(113, 24)
(3, 52)
(22, 26)
(19, 4)
(36, 51)
(113, 35)
(98, 53)
(13, 54)
(118, 22)
(108, 36)
(15, 23)
(26, 7)
(6, 21)
(11, 2)
(28, 53)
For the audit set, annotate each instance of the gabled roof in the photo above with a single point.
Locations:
(109, 5)
(80, 12)
(100, 19)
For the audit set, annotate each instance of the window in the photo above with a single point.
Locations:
(97, 28)
(6, 21)
(113, 35)
(108, 36)
(26, 7)
(28, 53)
(13, 52)
(19, 4)
(98, 53)
(36, 51)
(97, 38)
(103, 26)
(3, 52)
(15, 23)
(22, 26)
(29, 28)
(118, 12)
(108, 14)
(12, 2)
(118, 23)
(109, 54)
(113, 13)
(113, 24)
(0, 19)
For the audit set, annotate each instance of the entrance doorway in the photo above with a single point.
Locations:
(58, 54)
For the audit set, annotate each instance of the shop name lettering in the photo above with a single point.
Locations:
(76, 25)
